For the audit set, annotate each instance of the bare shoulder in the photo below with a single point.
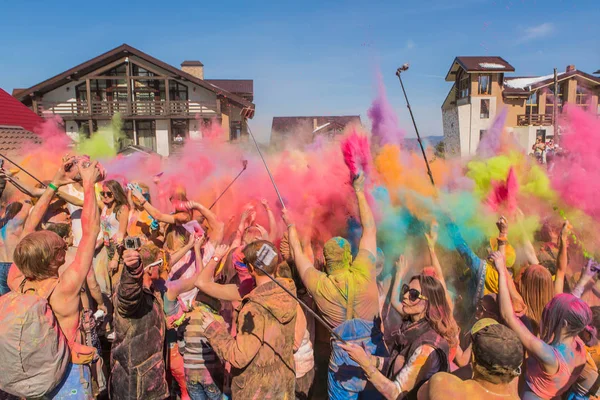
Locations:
(443, 385)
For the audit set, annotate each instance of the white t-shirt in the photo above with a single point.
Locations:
(75, 214)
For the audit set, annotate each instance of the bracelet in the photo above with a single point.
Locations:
(291, 225)
(53, 187)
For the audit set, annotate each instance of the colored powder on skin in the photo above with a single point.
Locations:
(385, 128)
(357, 152)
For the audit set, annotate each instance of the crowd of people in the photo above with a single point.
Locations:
(106, 295)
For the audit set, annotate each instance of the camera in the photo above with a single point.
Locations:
(133, 242)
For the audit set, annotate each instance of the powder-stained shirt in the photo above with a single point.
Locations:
(331, 292)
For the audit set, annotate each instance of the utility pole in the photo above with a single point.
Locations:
(555, 108)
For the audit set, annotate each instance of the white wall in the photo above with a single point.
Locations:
(162, 137)
(477, 123)
(464, 125)
(199, 94)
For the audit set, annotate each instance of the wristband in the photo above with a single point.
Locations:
(53, 187)
(290, 225)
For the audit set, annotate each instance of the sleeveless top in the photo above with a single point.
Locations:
(109, 225)
(546, 385)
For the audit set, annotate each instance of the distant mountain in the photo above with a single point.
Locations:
(412, 144)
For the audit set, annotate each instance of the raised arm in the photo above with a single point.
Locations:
(217, 227)
(272, 221)
(396, 300)
(177, 255)
(468, 255)
(518, 303)
(177, 218)
(536, 347)
(130, 289)
(587, 275)
(40, 208)
(303, 263)
(435, 262)
(562, 259)
(206, 284)
(528, 248)
(182, 285)
(75, 274)
(368, 240)
(95, 291)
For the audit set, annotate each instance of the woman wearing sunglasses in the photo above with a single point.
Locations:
(113, 223)
(422, 341)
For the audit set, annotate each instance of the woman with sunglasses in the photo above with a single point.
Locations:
(113, 223)
(422, 342)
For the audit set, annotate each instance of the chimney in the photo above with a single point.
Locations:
(194, 68)
(570, 68)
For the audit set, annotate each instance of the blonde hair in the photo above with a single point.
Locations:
(537, 289)
(35, 253)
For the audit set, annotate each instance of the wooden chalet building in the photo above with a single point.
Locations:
(160, 105)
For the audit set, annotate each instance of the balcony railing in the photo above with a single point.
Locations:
(534, 119)
(176, 108)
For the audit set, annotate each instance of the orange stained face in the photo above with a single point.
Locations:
(413, 306)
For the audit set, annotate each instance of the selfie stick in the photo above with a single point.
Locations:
(244, 166)
(303, 304)
(266, 166)
(22, 169)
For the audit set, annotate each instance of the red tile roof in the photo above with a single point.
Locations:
(14, 113)
(12, 139)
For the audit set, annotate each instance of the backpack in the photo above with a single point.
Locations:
(31, 342)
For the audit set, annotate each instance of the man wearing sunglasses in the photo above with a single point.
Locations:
(347, 296)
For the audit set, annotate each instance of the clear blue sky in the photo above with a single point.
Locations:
(306, 57)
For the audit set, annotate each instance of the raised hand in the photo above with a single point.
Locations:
(502, 225)
(401, 265)
(285, 215)
(131, 258)
(432, 236)
(221, 251)
(90, 174)
(498, 258)
(359, 182)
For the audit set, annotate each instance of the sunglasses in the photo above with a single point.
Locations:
(154, 264)
(413, 294)
(106, 194)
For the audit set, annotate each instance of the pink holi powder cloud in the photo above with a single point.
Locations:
(357, 153)
(384, 120)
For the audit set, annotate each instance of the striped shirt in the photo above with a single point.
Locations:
(198, 356)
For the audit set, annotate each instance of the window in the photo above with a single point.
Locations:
(581, 98)
(484, 111)
(235, 130)
(179, 133)
(120, 70)
(146, 134)
(541, 134)
(177, 91)
(83, 128)
(531, 105)
(128, 137)
(482, 132)
(463, 86)
(484, 84)
(139, 71)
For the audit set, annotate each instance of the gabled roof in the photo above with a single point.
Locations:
(14, 113)
(515, 86)
(473, 64)
(115, 54)
(13, 138)
(286, 124)
(236, 86)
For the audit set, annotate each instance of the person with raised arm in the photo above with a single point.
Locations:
(422, 342)
(558, 356)
(38, 257)
(347, 296)
(262, 352)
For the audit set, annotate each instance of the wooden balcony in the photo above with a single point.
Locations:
(534, 119)
(106, 109)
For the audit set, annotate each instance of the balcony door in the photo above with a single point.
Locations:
(146, 133)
